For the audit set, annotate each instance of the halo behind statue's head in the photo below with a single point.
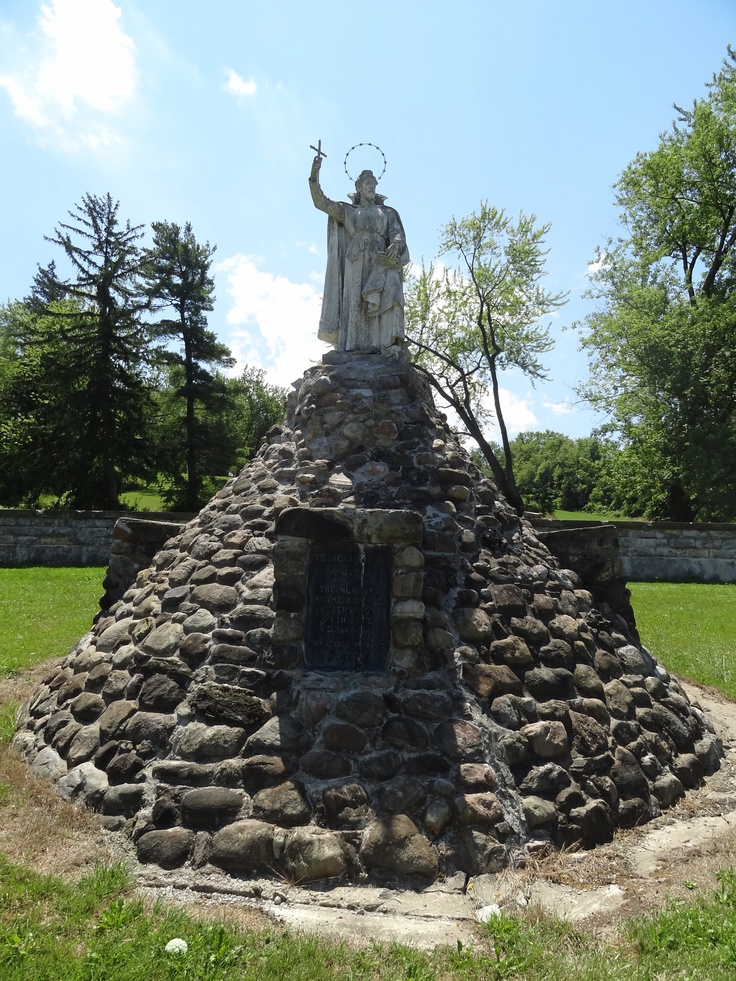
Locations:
(354, 197)
(357, 145)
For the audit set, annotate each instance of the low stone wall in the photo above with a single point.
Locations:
(62, 538)
(667, 551)
(664, 551)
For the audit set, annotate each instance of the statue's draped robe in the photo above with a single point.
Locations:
(363, 301)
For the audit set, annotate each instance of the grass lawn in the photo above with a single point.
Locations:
(97, 929)
(43, 612)
(691, 628)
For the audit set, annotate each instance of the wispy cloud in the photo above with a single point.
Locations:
(237, 86)
(273, 321)
(563, 408)
(78, 73)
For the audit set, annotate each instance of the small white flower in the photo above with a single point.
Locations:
(486, 913)
(176, 946)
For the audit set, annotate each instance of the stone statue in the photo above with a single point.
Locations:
(363, 301)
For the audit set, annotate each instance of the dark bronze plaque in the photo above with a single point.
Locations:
(348, 622)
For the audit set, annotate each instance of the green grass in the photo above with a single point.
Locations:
(691, 628)
(97, 930)
(142, 500)
(43, 612)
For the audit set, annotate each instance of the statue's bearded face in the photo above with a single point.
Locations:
(367, 188)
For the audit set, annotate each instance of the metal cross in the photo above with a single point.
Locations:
(318, 149)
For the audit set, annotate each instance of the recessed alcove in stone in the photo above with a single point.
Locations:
(518, 708)
(348, 586)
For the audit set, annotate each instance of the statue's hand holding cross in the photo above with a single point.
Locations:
(317, 162)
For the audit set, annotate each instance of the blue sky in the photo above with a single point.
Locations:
(186, 110)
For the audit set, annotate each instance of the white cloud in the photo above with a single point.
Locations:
(82, 71)
(563, 408)
(597, 265)
(237, 86)
(518, 414)
(273, 321)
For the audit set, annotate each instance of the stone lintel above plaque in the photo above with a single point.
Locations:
(367, 526)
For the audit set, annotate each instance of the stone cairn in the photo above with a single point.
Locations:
(358, 662)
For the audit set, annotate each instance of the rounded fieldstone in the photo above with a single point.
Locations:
(530, 629)
(64, 736)
(480, 809)
(512, 651)
(491, 680)
(84, 781)
(458, 739)
(115, 685)
(429, 705)
(282, 733)
(538, 812)
(55, 723)
(228, 704)
(628, 776)
(124, 768)
(477, 775)
(152, 728)
(346, 806)
(113, 719)
(437, 816)
(564, 628)
(667, 789)
(400, 795)
(113, 634)
(363, 708)
(163, 641)
(688, 769)
(204, 743)
(635, 660)
(326, 765)
(215, 597)
(48, 764)
(404, 733)
(311, 854)
(201, 622)
(257, 772)
(244, 846)
(344, 736)
(589, 738)
(169, 847)
(595, 821)
(546, 683)
(587, 681)
(84, 745)
(396, 846)
(547, 738)
(380, 766)
(549, 778)
(210, 807)
(160, 693)
(124, 798)
(285, 805)
(473, 624)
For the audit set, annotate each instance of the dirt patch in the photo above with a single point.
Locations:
(674, 855)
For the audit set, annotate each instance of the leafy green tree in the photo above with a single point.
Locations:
(661, 336)
(483, 315)
(556, 472)
(178, 282)
(80, 427)
(259, 405)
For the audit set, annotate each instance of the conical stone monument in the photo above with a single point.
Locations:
(358, 662)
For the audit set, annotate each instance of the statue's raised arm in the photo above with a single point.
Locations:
(363, 301)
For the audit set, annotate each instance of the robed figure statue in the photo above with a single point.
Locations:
(363, 301)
